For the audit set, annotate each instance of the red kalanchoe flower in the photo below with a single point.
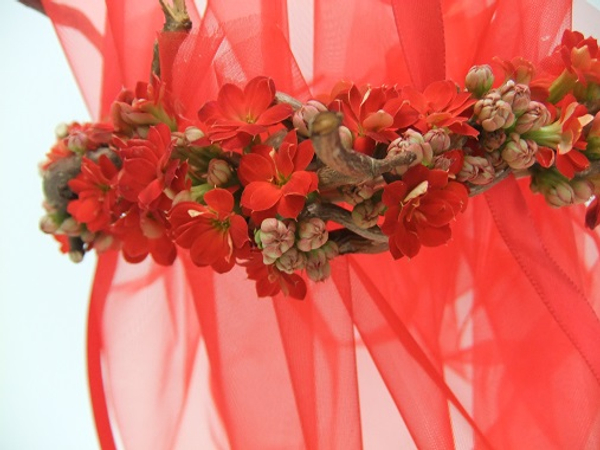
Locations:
(276, 182)
(441, 105)
(270, 280)
(95, 187)
(237, 116)
(142, 233)
(150, 177)
(214, 234)
(373, 114)
(420, 209)
(148, 106)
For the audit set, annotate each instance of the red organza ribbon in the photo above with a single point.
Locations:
(489, 342)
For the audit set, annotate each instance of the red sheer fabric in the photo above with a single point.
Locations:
(488, 342)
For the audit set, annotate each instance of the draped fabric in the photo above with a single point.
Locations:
(490, 342)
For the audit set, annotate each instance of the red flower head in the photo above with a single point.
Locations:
(276, 182)
(420, 209)
(270, 280)
(373, 114)
(441, 105)
(142, 233)
(95, 187)
(150, 177)
(238, 115)
(78, 138)
(214, 234)
(150, 105)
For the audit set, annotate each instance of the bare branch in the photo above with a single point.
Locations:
(281, 97)
(349, 242)
(35, 4)
(328, 147)
(337, 214)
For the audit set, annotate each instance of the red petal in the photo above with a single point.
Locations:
(394, 193)
(259, 94)
(407, 242)
(219, 200)
(232, 102)
(440, 94)
(304, 155)
(592, 215)
(433, 237)
(275, 114)
(209, 247)
(290, 206)
(255, 167)
(301, 183)
(260, 196)
(238, 231)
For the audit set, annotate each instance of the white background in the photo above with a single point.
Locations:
(44, 402)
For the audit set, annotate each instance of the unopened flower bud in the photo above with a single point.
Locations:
(411, 141)
(70, 227)
(357, 193)
(61, 131)
(317, 265)
(494, 113)
(76, 256)
(479, 80)
(476, 170)
(495, 159)
(366, 214)
(48, 225)
(291, 261)
(583, 189)
(562, 194)
(535, 117)
(87, 236)
(274, 238)
(306, 114)
(438, 139)
(346, 137)
(77, 142)
(103, 242)
(492, 140)
(312, 233)
(518, 96)
(192, 134)
(519, 153)
(219, 172)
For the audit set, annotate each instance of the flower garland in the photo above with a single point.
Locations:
(281, 187)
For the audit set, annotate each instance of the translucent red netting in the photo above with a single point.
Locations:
(488, 342)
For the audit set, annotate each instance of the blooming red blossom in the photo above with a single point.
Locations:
(441, 105)
(373, 114)
(95, 187)
(270, 280)
(149, 105)
(420, 209)
(142, 233)
(276, 182)
(214, 234)
(237, 116)
(150, 177)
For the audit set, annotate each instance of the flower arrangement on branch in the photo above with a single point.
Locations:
(281, 186)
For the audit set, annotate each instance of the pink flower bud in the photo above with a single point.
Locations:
(305, 115)
(518, 96)
(561, 194)
(535, 117)
(312, 233)
(495, 159)
(346, 137)
(291, 261)
(411, 141)
(275, 238)
(494, 113)
(192, 134)
(492, 140)
(438, 139)
(219, 172)
(583, 189)
(317, 265)
(476, 170)
(519, 153)
(70, 227)
(357, 193)
(48, 225)
(479, 80)
(366, 214)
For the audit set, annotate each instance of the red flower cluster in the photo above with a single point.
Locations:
(420, 209)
